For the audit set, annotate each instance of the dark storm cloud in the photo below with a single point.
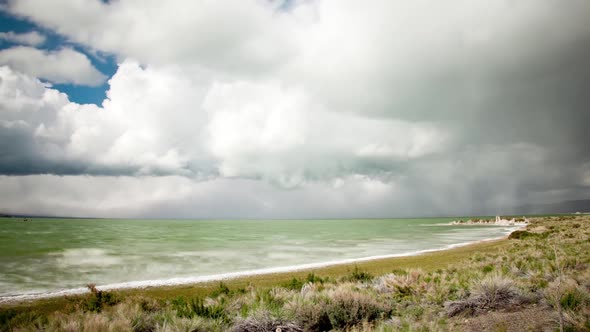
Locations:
(19, 155)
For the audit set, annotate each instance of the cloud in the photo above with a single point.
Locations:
(60, 66)
(489, 183)
(268, 131)
(32, 38)
(234, 36)
(46, 133)
(251, 130)
(432, 60)
(332, 107)
(161, 197)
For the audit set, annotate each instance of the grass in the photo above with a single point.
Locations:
(537, 279)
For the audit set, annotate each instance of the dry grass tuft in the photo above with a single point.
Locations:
(347, 308)
(311, 315)
(400, 285)
(492, 292)
(264, 323)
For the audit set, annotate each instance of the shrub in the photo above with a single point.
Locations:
(570, 295)
(313, 316)
(402, 286)
(97, 299)
(144, 323)
(308, 288)
(520, 235)
(415, 311)
(221, 289)
(149, 305)
(467, 307)
(347, 308)
(269, 299)
(196, 307)
(311, 277)
(492, 292)
(488, 268)
(572, 299)
(297, 284)
(11, 318)
(5, 317)
(294, 284)
(358, 275)
(566, 293)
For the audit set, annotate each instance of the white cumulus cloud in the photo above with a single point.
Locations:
(60, 66)
(156, 121)
(32, 38)
(244, 36)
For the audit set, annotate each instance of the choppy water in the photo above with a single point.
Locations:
(48, 255)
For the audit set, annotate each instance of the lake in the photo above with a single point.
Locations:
(47, 255)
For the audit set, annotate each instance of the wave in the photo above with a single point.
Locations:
(234, 275)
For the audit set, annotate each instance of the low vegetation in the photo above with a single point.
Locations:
(538, 279)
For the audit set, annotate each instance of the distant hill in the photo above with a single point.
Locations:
(30, 216)
(582, 205)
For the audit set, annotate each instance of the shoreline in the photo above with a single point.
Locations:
(239, 275)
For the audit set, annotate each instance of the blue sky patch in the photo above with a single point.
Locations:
(105, 63)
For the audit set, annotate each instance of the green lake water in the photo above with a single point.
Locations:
(42, 256)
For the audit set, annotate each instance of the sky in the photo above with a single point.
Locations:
(292, 109)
